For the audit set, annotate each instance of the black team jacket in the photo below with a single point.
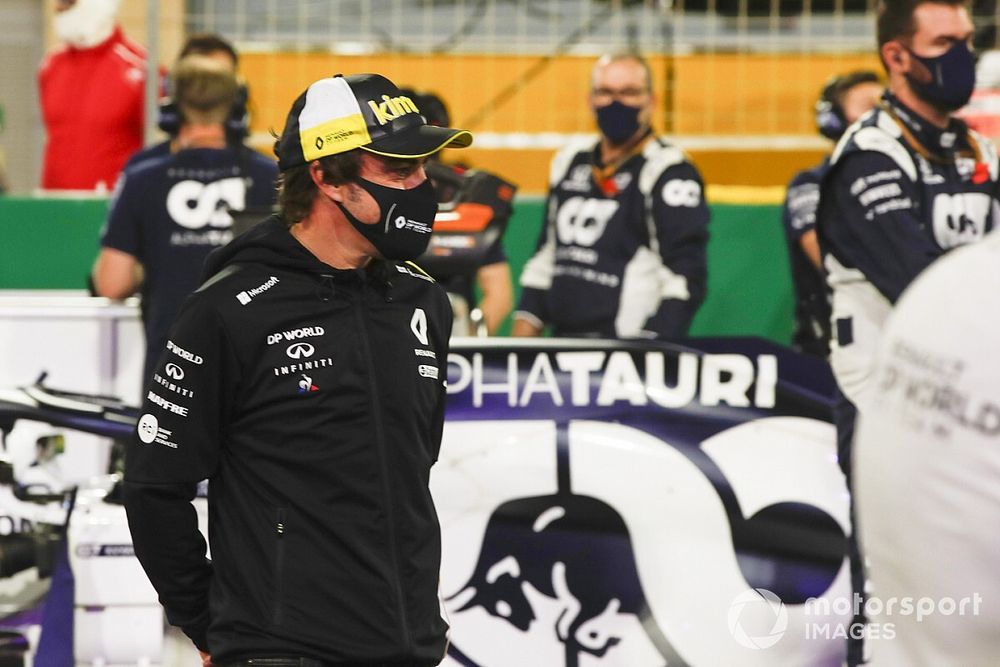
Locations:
(312, 399)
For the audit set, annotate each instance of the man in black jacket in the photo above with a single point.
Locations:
(306, 380)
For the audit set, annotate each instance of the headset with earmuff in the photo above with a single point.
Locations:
(237, 124)
(830, 119)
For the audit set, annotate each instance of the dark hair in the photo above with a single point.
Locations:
(206, 43)
(831, 121)
(895, 18)
(296, 190)
(837, 89)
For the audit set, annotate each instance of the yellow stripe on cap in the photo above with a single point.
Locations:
(335, 136)
(331, 121)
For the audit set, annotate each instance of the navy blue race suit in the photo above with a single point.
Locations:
(170, 212)
(899, 193)
(621, 254)
(812, 299)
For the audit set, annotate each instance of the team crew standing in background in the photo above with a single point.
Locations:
(170, 212)
(622, 248)
(472, 202)
(170, 120)
(905, 185)
(843, 100)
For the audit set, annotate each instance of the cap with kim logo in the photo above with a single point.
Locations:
(365, 111)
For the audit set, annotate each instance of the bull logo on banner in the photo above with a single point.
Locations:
(580, 531)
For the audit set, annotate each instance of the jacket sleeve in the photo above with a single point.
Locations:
(177, 444)
(444, 349)
(536, 278)
(798, 214)
(869, 220)
(679, 233)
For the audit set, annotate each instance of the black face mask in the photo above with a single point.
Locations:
(406, 218)
(618, 122)
(953, 77)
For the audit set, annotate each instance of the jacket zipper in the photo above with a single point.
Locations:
(279, 566)
(380, 446)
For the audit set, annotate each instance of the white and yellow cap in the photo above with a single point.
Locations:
(365, 111)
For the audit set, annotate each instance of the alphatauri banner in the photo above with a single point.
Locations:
(641, 504)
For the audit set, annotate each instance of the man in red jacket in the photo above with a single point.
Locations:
(92, 92)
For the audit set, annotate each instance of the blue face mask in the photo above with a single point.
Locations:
(618, 122)
(953, 77)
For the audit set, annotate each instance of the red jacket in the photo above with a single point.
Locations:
(92, 106)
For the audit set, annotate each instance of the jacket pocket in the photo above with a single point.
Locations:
(279, 565)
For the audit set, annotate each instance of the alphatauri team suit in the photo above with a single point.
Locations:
(812, 300)
(899, 193)
(170, 212)
(308, 396)
(622, 251)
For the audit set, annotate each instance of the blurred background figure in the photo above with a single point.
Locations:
(466, 253)
(91, 91)
(622, 250)
(171, 212)
(216, 48)
(982, 113)
(843, 100)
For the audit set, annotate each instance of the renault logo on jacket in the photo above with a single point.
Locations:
(300, 350)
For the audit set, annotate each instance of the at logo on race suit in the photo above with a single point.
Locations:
(960, 218)
(300, 350)
(582, 221)
(621, 531)
(196, 205)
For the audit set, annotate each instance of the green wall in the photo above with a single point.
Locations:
(51, 244)
(48, 243)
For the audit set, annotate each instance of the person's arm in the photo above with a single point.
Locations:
(178, 444)
(116, 274)
(799, 215)
(680, 233)
(498, 294)
(536, 279)
(810, 246)
(442, 347)
(868, 220)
